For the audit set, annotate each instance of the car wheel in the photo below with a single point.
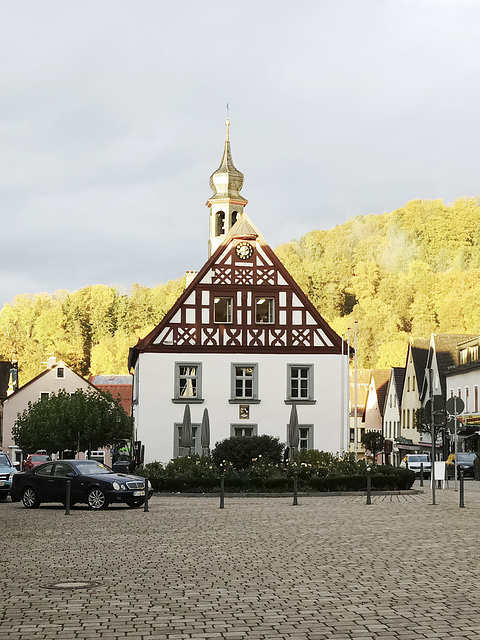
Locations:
(30, 498)
(135, 503)
(97, 499)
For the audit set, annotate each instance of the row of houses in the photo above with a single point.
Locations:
(443, 365)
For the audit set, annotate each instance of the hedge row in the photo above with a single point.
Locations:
(383, 478)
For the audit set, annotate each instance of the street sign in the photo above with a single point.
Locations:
(454, 405)
(451, 424)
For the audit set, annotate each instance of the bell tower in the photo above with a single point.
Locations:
(226, 205)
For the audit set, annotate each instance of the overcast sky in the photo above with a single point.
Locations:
(112, 119)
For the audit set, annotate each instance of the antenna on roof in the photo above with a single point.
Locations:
(227, 122)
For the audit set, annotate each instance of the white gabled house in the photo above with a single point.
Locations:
(243, 341)
(57, 377)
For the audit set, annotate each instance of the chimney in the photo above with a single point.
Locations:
(51, 362)
(190, 277)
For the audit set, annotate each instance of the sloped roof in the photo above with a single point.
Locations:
(419, 348)
(44, 373)
(398, 379)
(380, 379)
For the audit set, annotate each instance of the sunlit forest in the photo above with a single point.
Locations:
(409, 272)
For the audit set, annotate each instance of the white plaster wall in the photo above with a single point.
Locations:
(155, 414)
(463, 381)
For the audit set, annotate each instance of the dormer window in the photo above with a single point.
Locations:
(60, 372)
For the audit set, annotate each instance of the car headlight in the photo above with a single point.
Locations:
(10, 477)
(116, 486)
(149, 485)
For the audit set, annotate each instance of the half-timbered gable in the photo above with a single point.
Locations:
(243, 298)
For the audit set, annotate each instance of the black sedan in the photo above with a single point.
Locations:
(90, 482)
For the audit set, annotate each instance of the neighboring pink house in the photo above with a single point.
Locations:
(119, 387)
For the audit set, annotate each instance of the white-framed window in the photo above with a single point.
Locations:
(222, 310)
(243, 430)
(178, 450)
(244, 385)
(300, 383)
(60, 372)
(305, 436)
(265, 310)
(188, 382)
(467, 399)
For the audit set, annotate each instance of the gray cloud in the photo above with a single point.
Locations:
(112, 112)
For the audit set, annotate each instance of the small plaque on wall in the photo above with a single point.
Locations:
(244, 411)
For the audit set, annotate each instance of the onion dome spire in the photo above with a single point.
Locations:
(227, 180)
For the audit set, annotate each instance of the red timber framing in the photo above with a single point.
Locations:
(293, 325)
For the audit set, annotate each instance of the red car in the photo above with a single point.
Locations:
(34, 459)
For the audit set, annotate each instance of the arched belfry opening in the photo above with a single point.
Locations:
(226, 204)
(219, 223)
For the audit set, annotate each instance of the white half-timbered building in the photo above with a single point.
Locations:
(243, 341)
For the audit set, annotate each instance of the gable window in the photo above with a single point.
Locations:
(264, 310)
(243, 431)
(222, 310)
(60, 372)
(244, 386)
(44, 395)
(300, 383)
(188, 382)
(413, 383)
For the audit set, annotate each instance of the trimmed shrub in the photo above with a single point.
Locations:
(240, 452)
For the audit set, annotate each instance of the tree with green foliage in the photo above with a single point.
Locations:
(80, 421)
(373, 442)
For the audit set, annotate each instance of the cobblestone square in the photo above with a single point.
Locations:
(331, 567)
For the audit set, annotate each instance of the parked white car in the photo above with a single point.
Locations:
(414, 462)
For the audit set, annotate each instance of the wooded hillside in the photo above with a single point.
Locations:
(406, 273)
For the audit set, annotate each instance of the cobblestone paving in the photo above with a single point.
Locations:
(331, 567)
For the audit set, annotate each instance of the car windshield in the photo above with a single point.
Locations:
(92, 468)
(466, 457)
(4, 460)
(39, 458)
(417, 458)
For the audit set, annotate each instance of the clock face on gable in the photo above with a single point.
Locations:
(244, 250)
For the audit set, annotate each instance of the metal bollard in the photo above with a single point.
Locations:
(145, 504)
(67, 497)
(295, 489)
(222, 492)
(421, 474)
(369, 485)
(462, 501)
